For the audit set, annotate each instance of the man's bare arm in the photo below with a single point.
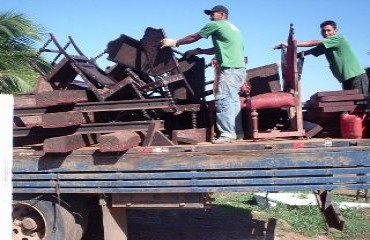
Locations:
(310, 43)
(189, 39)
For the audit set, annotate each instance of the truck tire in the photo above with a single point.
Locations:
(43, 219)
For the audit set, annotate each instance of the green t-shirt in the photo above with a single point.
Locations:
(228, 43)
(343, 62)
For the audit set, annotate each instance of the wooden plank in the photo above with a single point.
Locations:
(335, 93)
(27, 121)
(118, 141)
(43, 85)
(58, 97)
(341, 98)
(24, 100)
(66, 119)
(337, 109)
(191, 136)
(68, 143)
(315, 104)
(264, 79)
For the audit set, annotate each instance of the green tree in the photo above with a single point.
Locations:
(18, 36)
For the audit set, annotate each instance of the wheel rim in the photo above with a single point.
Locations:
(28, 223)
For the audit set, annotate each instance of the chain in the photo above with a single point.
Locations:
(194, 119)
(57, 191)
(100, 55)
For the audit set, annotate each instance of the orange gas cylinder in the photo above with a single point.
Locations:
(353, 125)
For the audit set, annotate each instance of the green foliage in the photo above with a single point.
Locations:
(18, 36)
(306, 220)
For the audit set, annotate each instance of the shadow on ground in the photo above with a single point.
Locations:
(217, 223)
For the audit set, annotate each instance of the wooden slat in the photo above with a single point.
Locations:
(118, 141)
(335, 93)
(68, 143)
(24, 100)
(58, 97)
(27, 121)
(66, 119)
(191, 136)
(340, 98)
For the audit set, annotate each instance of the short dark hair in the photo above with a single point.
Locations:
(329, 22)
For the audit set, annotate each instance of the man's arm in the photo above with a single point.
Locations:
(310, 43)
(168, 42)
(188, 39)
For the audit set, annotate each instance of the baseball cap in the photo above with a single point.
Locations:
(218, 8)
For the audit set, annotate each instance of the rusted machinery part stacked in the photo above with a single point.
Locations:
(77, 104)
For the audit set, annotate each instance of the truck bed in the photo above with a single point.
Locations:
(276, 165)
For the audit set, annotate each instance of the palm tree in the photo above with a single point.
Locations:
(18, 36)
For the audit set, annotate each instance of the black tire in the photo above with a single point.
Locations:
(54, 222)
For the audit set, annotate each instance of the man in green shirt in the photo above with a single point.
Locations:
(229, 50)
(343, 62)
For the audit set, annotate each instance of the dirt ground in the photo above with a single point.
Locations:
(218, 223)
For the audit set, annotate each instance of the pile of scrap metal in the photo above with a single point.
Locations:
(148, 97)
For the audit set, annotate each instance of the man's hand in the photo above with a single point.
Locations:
(245, 89)
(190, 53)
(168, 42)
(301, 54)
(280, 46)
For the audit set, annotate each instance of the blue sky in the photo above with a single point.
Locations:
(93, 23)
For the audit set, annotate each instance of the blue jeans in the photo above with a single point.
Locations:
(228, 114)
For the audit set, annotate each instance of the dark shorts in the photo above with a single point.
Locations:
(360, 82)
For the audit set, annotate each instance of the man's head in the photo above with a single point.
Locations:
(328, 28)
(218, 12)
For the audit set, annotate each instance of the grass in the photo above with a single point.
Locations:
(306, 220)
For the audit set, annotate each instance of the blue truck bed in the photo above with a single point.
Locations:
(280, 165)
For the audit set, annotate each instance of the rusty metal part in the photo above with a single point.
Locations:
(27, 223)
(86, 128)
(163, 200)
(329, 210)
(162, 82)
(154, 137)
(158, 103)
